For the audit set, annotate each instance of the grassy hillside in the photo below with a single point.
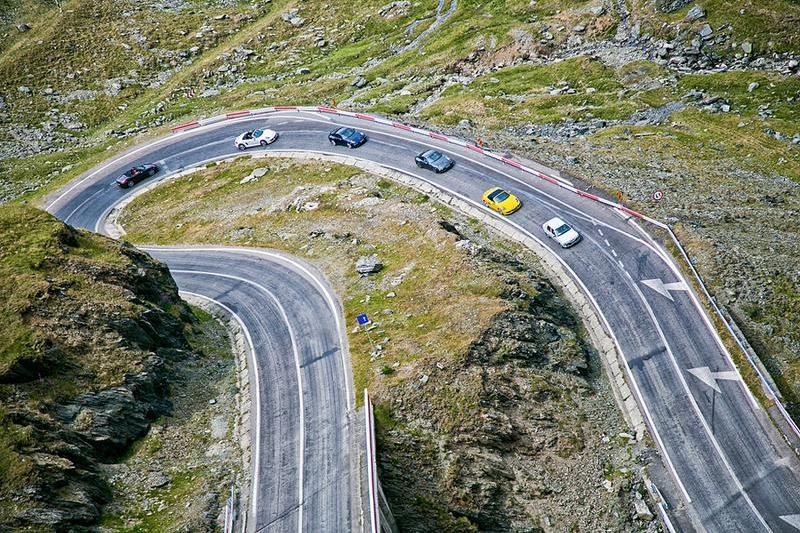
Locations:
(92, 330)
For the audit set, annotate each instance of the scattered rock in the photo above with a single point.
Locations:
(303, 70)
(359, 82)
(705, 31)
(293, 18)
(696, 13)
(24, 90)
(597, 10)
(368, 264)
(752, 87)
(22, 28)
(642, 511)
(157, 480)
(747, 47)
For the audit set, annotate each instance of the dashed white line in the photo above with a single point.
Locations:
(600, 231)
(607, 243)
(614, 252)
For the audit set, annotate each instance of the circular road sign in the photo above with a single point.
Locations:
(658, 195)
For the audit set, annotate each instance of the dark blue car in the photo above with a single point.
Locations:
(352, 138)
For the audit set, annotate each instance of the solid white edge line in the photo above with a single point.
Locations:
(285, 259)
(299, 377)
(693, 402)
(251, 350)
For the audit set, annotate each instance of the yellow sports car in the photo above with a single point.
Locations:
(501, 201)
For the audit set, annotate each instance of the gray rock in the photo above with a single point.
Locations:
(24, 90)
(793, 64)
(580, 28)
(597, 10)
(2, 103)
(747, 47)
(368, 264)
(209, 93)
(752, 87)
(303, 70)
(706, 31)
(22, 28)
(642, 511)
(696, 13)
(668, 6)
(359, 82)
(157, 480)
(465, 123)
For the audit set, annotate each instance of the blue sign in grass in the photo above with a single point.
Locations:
(362, 319)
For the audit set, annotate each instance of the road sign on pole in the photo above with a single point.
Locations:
(363, 322)
(658, 195)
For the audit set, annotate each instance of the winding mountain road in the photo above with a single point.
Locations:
(731, 469)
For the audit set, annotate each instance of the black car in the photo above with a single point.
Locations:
(349, 137)
(136, 174)
(434, 160)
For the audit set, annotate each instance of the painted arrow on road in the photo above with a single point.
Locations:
(663, 288)
(792, 519)
(704, 374)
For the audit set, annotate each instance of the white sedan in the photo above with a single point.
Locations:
(561, 232)
(260, 137)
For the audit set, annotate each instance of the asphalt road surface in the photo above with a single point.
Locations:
(730, 468)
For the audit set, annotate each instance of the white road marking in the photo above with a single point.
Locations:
(252, 358)
(607, 243)
(66, 220)
(600, 231)
(663, 288)
(792, 519)
(614, 252)
(620, 264)
(704, 374)
(288, 323)
(293, 264)
(696, 408)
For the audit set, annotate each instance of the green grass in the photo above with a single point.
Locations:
(770, 26)
(518, 95)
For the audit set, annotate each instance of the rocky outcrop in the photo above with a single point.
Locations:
(516, 434)
(92, 330)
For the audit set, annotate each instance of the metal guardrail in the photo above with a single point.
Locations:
(372, 472)
(230, 513)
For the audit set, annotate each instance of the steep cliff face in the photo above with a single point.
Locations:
(89, 330)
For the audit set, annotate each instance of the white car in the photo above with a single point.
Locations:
(561, 232)
(260, 137)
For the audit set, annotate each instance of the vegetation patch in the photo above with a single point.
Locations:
(488, 398)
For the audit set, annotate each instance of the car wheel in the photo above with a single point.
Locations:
(333, 143)
(264, 143)
(351, 145)
(241, 147)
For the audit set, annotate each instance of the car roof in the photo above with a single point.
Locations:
(555, 221)
(430, 152)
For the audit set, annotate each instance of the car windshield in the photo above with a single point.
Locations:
(434, 156)
(500, 196)
(562, 229)
(347, 132)
(257, 133)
